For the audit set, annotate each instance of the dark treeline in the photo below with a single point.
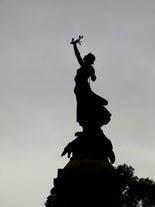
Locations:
(136, 192)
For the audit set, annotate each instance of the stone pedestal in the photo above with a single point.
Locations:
(85, 182)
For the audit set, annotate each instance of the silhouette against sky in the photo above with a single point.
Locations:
(37, 100)
(91, 114)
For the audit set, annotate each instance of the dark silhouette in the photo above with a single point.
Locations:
(89, 179)
(91, 115)
(90, 106)
(98, 148)
(136, 192)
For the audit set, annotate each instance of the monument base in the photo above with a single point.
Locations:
(86, 183)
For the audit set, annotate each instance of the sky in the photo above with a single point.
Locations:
(37, 103)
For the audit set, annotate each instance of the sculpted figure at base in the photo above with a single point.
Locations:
(90, 106)
(90, 145)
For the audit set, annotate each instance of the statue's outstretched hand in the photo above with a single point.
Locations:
(77, 40)
(67, 150)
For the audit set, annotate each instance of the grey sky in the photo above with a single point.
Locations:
(37, 68)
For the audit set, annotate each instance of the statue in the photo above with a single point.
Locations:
(84, 147)
(91, 114)
(89, 178)
(90, 106)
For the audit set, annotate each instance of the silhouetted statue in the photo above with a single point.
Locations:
(90, 106)
(92, 144)
(88, 179)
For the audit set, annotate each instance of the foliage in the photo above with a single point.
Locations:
(136, 192)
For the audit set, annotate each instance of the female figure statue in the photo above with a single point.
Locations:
(90, 106)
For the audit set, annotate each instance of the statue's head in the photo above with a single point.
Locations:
(89, 59)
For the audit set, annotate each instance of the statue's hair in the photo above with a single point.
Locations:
(91, 58)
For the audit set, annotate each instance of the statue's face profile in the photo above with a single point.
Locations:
(89, 59)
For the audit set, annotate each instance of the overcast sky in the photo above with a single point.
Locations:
(37, 69)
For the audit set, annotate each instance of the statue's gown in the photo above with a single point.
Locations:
(90, 106)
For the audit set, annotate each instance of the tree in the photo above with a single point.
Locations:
(136, 192)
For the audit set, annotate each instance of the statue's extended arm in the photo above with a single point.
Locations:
(77, 53)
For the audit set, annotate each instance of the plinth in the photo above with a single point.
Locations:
(86, 182)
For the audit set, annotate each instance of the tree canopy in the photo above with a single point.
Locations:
(136, 192)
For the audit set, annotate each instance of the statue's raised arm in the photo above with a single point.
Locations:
(77, 53)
